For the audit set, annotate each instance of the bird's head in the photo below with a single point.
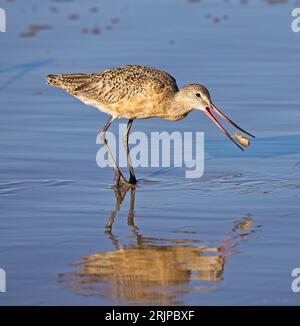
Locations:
(197, 96)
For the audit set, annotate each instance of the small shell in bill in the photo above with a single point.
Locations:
(244, 141)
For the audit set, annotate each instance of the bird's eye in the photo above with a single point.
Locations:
(198, 95)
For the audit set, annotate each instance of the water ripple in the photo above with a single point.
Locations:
(13, 187)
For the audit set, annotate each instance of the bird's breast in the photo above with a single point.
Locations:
(144, 107)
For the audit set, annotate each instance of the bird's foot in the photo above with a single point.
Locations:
(127, 183)
(122, 181)
(132, 179)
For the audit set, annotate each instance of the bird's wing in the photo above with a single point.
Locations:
(124, 83)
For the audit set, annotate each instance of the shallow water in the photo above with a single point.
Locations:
(230, 237)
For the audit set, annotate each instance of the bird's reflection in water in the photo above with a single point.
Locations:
(149, 272)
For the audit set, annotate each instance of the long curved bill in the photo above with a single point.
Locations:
(208, 111)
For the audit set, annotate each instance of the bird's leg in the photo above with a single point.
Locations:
(132, 179)
(118, 173)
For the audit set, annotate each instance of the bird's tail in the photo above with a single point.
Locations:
(68, 82)
(54, 80)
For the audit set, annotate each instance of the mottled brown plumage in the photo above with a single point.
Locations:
(138, 92)
(132, 92)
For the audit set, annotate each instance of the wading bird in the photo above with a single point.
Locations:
(138, 92)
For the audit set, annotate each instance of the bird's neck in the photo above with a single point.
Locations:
(178, 108)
